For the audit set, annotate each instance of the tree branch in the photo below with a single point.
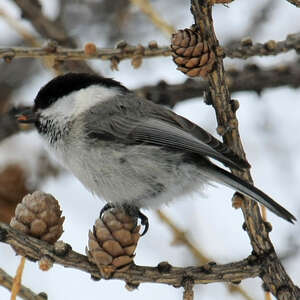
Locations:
(35, 249)
(245, 50)
(45, 27)
(53, 30)
(25, 293)
(250, 78)
(79, 54)
(260, 17)
(273, 275)
(146, 7)
(248, 49)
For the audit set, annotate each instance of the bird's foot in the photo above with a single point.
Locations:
(132, 211)
(106, 207)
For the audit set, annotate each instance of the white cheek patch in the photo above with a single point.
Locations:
(61, 110)
(87, 98)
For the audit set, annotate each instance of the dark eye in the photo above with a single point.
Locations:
(123, 108)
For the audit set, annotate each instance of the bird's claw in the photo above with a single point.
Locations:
(106, 207)
(132, 211)
(144, 222)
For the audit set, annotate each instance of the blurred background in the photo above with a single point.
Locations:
(269, 126)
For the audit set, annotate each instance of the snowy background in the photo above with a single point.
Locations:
(269, 127)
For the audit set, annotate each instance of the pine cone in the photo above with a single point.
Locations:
(39, 215)
(113, 241)
(191, 53)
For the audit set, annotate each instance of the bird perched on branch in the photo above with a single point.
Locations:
(129, 151)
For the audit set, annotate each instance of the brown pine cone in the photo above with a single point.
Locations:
(191, 53)
(39, 215)
(113, 241)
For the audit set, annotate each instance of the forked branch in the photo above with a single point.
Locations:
(274, 276)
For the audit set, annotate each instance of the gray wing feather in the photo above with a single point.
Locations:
(137, 120)
(154, 131)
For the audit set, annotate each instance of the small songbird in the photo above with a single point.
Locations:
(129, 151)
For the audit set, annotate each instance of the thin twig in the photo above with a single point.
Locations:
(44, 26)
(25, 293)
(188, 293)
(248, 49)
(260, 18)
(16, 286)
(21, 30)
(36, 249)
(244, 51)
(49, 62)
(233, 288)
(181, 237)
(79, 54)
(250, 78)
(146, 7)
(52, 30)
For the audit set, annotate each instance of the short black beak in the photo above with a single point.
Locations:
(27, 116)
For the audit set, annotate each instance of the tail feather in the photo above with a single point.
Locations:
(228, 179)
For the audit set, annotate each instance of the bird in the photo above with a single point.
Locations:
(129, 151)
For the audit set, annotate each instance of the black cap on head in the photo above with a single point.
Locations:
(65, 84)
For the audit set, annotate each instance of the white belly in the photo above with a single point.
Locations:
(144, 176)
